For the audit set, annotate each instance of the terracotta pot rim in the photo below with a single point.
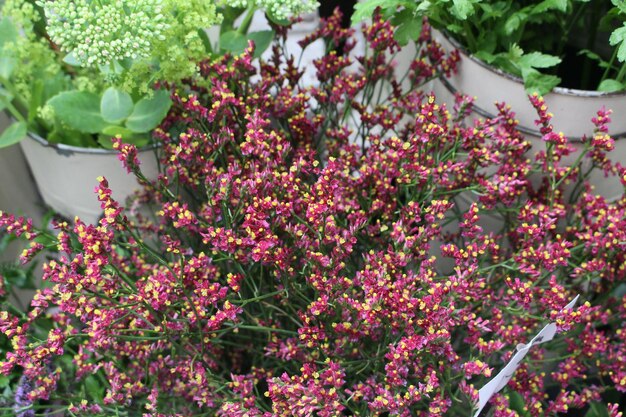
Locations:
(572, 92)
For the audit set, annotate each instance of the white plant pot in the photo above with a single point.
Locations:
(67, 175)
(572, 109)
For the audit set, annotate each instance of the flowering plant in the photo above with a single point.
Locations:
(570, 43)
(291, 258)
(79, 72)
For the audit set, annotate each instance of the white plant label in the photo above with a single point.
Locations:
(504, 376)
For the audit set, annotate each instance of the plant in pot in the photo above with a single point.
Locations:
(75, 74)
(274, 276)
(571, 51)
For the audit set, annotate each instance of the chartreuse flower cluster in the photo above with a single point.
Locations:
(115, 33)
(324, 251)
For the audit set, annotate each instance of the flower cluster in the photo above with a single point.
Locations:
(97, 33)
(281, 9)
(349, 248)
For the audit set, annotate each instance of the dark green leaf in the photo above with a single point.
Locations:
(13, 134)
(611, 86)
(116, 105)
(149, 112)
(233, 41)
(80, 110)
(262, 41)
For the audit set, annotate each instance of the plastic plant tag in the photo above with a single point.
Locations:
(504, 376)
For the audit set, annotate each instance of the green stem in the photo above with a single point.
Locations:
(245, 24)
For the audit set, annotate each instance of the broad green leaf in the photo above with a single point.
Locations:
(80, 110)
(619, 37)
(409, 30)
(4, 380)
(138, 140)
(105, 141)
(262, 41)
(7, 64)
(233, 41)
(149, 112)
(13, 134)
(117, 130)
(611, 86)
(539, 60)
(8, 31)
(116, 105)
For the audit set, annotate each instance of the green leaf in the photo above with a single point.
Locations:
(620, 4)
(8, 31)
(116, 105)
(517, 403)
(70, 59)
(13, 134)
(117, 130)
(4, 381)
(233, 41)
(619, 37)
(409, 30)
(262, 41)
(546, 5)
(539, 60)
(7, 64)
(138, 140)
(80, 110)
(514, 22)
(597, 410)
(94, 388)
(611, 86)
(105, 141)
(534, 81)
(149, 112)
(462, 8)
(5, 98)
(365, 9)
